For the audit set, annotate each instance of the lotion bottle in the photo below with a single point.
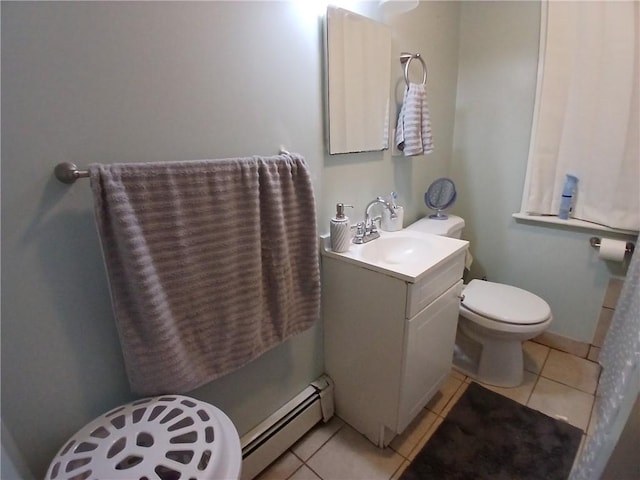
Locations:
(567, 201)
(340, 230)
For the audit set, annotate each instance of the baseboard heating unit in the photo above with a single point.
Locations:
(271, 438)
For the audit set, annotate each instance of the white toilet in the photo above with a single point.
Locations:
(494, 320)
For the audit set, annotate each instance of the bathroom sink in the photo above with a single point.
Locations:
(395, 250)
(405, 254)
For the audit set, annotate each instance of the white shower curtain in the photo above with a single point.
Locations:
(586, 120)
(620, 380)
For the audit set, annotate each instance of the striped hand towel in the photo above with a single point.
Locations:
(210, 263)
(413, 133)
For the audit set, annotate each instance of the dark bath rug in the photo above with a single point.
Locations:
(488, 436)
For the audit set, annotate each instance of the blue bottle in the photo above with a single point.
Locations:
(567, 201)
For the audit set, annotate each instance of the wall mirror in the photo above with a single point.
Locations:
(358, 68)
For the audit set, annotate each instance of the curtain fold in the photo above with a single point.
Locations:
(586, 120)
(620, 380)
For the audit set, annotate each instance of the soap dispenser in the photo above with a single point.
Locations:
(340, 230)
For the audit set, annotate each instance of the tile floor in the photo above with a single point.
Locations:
(556, 383)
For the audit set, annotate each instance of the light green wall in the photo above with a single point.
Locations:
(122, 81)
(496, 88)
(146, 81)
(356, 179)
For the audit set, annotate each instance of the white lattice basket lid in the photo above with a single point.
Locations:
(168, 437)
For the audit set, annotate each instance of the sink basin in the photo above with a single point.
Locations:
(395, 250)
(406, 254)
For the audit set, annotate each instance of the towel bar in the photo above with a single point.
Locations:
(68, 172)
(405, 59)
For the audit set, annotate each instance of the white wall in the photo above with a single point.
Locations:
(151, 81)
(496, 88)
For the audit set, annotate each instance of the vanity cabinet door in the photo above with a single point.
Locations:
(429, 340)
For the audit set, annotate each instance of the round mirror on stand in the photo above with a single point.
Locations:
(440, 195)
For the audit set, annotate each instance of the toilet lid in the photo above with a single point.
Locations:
(505, 303)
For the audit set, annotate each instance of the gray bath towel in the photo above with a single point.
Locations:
(210, 263)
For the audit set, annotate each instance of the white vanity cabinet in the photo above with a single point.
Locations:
(388, 342)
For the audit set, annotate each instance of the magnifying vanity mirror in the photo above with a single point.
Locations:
(358, 67)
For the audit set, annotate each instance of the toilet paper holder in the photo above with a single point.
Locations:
(595, 243)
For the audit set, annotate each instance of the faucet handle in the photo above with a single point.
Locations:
(373, 227)
(360, 233)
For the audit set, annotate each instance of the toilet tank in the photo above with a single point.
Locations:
(451, 227)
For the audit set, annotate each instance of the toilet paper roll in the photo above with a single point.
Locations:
(612, 250)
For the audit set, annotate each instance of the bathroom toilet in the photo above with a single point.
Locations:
(494, 320)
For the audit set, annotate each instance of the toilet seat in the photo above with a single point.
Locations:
(505, 304)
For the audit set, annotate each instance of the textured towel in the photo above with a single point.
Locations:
(210, 263)
(413, 133)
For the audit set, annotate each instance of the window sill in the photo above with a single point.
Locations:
(572, 223)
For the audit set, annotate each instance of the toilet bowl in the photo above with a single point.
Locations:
(500, 317)
(494, 320)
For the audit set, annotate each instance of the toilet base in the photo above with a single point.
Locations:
(495, 361)
(501, 363)
(466, 355)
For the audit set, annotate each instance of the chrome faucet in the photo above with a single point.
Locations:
(367, 231)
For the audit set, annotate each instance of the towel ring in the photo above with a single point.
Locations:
(405, 58)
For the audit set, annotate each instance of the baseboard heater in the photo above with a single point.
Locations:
(271, 438)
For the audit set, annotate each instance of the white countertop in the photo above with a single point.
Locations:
(417, 253)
